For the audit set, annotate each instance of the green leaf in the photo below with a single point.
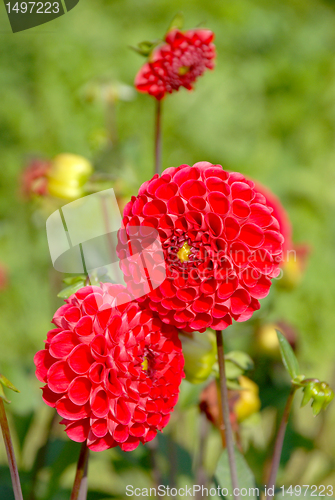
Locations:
(289, 359)
(190, 394)
(232, 370)
(177, 22)
(3, 395)
(4, 381)
(233, 385)
(70, 290)
(139, 51)
(70, 280)
(241, 359)
(245, 476)
(146, 47)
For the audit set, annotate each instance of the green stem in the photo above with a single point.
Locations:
(279, 442)
(158, 137)
(10, 453)
(79, 491)
(225, 413)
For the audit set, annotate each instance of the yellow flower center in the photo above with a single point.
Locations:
(145, 364)
(184, 252)
(183, 70)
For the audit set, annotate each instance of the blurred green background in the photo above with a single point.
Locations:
(268, 111)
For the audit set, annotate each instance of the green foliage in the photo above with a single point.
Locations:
(4, 382)
(145, 48)
(244, 474)
(177, 22)
(240, 359)
(70, 290)
(289, 359)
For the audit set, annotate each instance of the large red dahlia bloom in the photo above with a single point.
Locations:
(221, 246)
(111, 369)
(177, 63)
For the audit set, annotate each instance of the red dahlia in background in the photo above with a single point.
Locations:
(221, 246)
(177, 63)
(34, 178)
(280, 214)
(111, 369)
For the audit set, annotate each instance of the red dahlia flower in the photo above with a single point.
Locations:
(221, 246)
(111, 369)
(177, 63)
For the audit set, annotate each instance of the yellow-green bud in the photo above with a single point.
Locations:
(320, 393)
(267, 340)
(67, 176)
(199, 352)
(292, 273)
(248, 402)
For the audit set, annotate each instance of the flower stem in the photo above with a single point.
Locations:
(10, 453)
(225, 413)
(279, 442)
(79, 491)
(158, 137)
(220, 419)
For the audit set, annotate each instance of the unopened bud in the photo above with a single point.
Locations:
(67, 176)
(267, 339)
(248, 401)
(320, 393)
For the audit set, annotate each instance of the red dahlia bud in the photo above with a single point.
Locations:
(177, 63)
(220, 241)
(111, 369)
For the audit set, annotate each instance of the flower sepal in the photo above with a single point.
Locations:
(177, 22)
(75, 282)
(146, 47)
